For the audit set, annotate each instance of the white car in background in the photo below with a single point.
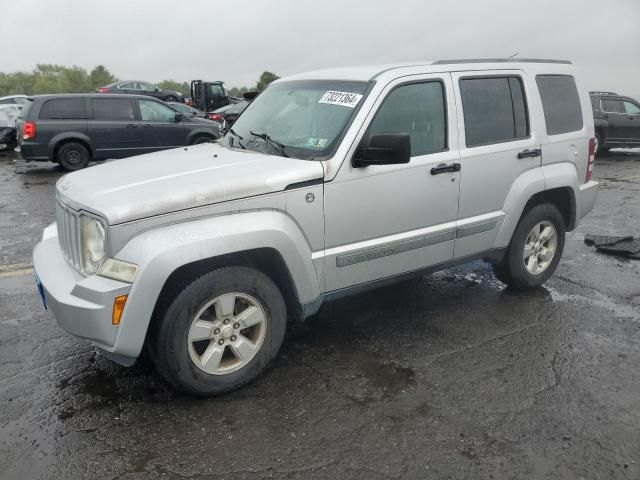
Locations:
(9, 115)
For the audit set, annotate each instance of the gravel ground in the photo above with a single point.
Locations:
(446, 376)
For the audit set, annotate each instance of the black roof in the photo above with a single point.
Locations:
(47, 96)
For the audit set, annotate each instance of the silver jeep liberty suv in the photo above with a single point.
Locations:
(330, 182)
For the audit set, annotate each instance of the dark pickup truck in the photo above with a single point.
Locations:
(73, 130)
(616, 119)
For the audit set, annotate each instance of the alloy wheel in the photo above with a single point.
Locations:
(540, 247)
(227, 333)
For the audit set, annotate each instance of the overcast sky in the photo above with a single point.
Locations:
(185, 40)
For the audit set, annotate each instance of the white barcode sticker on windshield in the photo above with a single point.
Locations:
(345, 99)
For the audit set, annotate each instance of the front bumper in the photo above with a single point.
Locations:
(82, 306)
(588, 194)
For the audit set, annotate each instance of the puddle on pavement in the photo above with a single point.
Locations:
(102, 386)
(597, 299)
(390, 379)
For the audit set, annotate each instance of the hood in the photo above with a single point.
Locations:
(178, 179)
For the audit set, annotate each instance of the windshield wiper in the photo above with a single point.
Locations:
(238, 136)
(271, 142)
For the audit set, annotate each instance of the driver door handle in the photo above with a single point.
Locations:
(533, 152)
(444, 168)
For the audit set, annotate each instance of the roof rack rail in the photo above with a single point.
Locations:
(500, 60)
(597, 92)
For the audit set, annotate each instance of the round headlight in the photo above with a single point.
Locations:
(92, 244)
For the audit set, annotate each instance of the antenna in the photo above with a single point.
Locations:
(515, 55)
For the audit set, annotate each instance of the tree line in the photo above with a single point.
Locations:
(48, 78)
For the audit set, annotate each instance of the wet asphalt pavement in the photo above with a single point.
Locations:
(446, 376)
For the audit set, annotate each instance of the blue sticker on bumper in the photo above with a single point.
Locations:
(40, 291)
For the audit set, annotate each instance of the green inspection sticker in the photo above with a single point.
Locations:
(317, 142)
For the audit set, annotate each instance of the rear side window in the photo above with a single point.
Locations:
(112, 109)
(64, 109)
(419, 110)
(560, 102)
(495, 110)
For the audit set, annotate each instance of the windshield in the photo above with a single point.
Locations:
(306, 117)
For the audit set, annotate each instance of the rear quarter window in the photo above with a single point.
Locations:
(64, 109)
(560, 102)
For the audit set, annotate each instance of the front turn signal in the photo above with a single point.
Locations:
(118, 308)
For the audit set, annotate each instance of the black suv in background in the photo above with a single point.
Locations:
(616, 119)
(75, 129)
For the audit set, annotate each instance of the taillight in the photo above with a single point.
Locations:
(592, 155)
(216, 117)
(28, 130)
(103, 90)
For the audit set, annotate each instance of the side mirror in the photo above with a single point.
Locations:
(248, 96)
(384, 149)
(179, 117)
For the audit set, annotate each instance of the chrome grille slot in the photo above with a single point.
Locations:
(68, 234)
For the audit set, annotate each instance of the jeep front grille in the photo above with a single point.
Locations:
(69, 234)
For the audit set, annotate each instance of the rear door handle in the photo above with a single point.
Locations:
(131, 125)
(444, 168)
(534, 152)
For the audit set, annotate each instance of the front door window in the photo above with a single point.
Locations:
(156, 112)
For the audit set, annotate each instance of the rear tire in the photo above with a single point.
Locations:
(198, 343)
(542, 232)
(600, 150)
(171, 98)
(73, 156)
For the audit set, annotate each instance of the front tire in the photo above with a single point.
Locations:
(220, 332)
(201, 139)
(73, 156)
(535, 248)
(171, 98)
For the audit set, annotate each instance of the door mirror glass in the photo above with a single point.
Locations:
(384, 149)
(179, 117)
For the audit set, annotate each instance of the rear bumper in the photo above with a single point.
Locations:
(33, 151)
(82, 306)
(588, 194)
